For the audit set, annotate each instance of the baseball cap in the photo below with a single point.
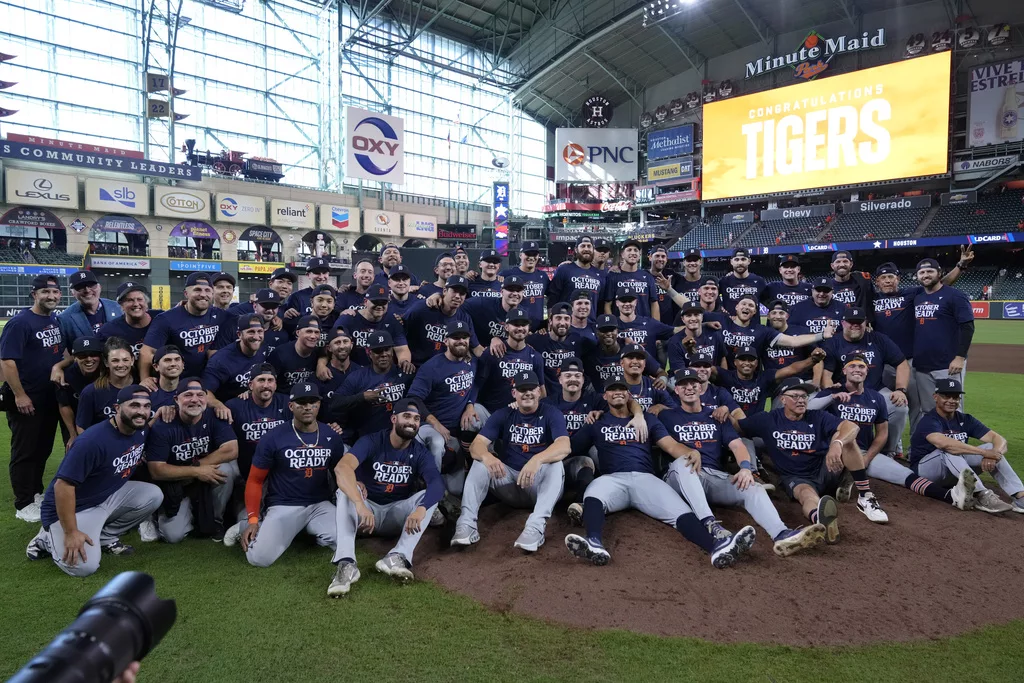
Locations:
(381, 339)
(778, 303)
(855, 314)
(458, 248)
(284, 273)
(317, 263)
(457, 281)
(336, 332)
(701, 359)
(740, 252)
(571, 364)
(692, 255)
(927, 263)
(491, 255)
(169, 350)
(81, 279)
(745, 352)
(390, 245)
(324, 289)
(129, 392)
(789, 259)
(257, 369)
(527, 379)
(377, 293)
(708, 280)
(517, 315)
(407, 405)
(607, 322)
(616, 379)
(579, 295)
(948, 385)
(443, 255)
(795, 383)
(308, 321)
(841, 254)
(250, 322)
(189, 384)
(687, 374)
(561, 308)
(888, 268)
(655, 250)
(194, 279)
(398, 272)
(822, 283)
(44, 281)
(225, 277)
(855, 357)
(267, 297)
(457, 328)
(633, 350)
(631, 243)
(584, 238)
(691, 307)
(86, 346)
(601, 244)
(623, 292)
(304, 390)
(529, 246)
(513, 282)
(126, 288)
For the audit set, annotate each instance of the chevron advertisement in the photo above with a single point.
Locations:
(116, 196)
(341, 218)
(596, 155)
(884, 123)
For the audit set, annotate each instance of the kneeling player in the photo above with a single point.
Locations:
(386, 464)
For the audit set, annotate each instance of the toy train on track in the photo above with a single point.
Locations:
(231, 163)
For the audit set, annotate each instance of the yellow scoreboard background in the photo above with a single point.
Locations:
(876, 124)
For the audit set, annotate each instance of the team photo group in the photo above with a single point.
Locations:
(390, 405)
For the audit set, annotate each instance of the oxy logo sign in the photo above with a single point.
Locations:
(237, 208)
(228, 207)
(375, 146)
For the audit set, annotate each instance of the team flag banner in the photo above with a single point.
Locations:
(876, 124)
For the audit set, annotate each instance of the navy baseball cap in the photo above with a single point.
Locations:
(284, 274)
(527, 247)
(517, 315)
(616, 379)
(457, 328)
(81, 279)
(130, 392)
(305, 390)
(126, 288)
(189, 384)
(601, 244)
(257, 369)
(948, 385)
(633, 350)
(267, 297)
(740, 252)
(194, 279)
(687, 374)
(44, 281)
(623, 292)
(855, 314)
(692, 255)
(390, 245)
(457, 281)
(787, 259)
(561, 308)
(407, 405)
(250, 322)
(491, 255)
(571, 364)
(888, 268)
(224, 277)
(631, 243)
(398, 272)
(443, 255)
(708, 280)
(86, 346)
(607, 322)
(338, 332)
(822, 283)
(308, 321)
(513, 282)
(704, 359)
(324, 289)
(778, 303)
(841, 254)
(169, 350)
(584, 238)
(527, 379)
(317, 263)
(746, 352)
(927, 263)
(381, 339)
(579, 295)
(377, 293)
(458, 248)
(691, 307)
(655, 250)
(795, 383)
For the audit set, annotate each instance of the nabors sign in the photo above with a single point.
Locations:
(815, 53)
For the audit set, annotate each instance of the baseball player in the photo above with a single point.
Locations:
(535, 282)
(855, 402)
(650, 394)
(489, 313)
(497, 372)
(556, 344)
(400, 284)
(265, 304)
(92, 501)
(339, 365)
(939, 449)
(751, 387)
(578, 275)
(696, 427)
(849, 287)
(795, 439)
(281, 282)
(444, 268)
(223, 290)
(744, 329)
(780, 356)
(169, 366)
(640, 329)
(631, 277)
(135, 319)
(461, 260)
(391, 258)
(225, 375)
(605, 359)
(87, 354)
(299, 302)
(376, 495)
(352, 297)
(685, 283)
(373, 316)
(487, 284)
(821, 312)
(97, 401)
(793, 288)
(581, 322)
(740, 281)
(192, 327)
(363, 403)
(89, 312)
(425, 327)
(602, 254)
(289, 486)
(518, 455)
(705, 342)
(296, 362)
(322, 307)
(668, 312)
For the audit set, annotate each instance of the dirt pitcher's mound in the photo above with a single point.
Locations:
(929, 573)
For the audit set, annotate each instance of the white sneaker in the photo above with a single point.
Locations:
(31, 513)
(868, 504)
(986, 501)
(39, 499)
(148, 532)
(233, 533)
(39, 547)
(345, 575)
(963, 492)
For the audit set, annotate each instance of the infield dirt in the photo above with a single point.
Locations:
(996, 358)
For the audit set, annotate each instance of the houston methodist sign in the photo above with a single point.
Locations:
(602, 155)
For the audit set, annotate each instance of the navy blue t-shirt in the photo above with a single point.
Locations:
(877, 349)
(894, 317)
(600, 367)
(390, 474)
(733, 288)
(300, 473)
(301, 300)
(488, 316)
(95, 405)
(535, 288)
(399, 308)
(69, 394)
(446, 387)
(119, 327)
(735, 336)
(718, 396)
(96, 320)
(524, 435)
(588, 335)
(227, 373)
(366, 418)
(936, 334)
(554, 352)
(700, 432)
(641, 282)
(646, 395)
(645, 331)
(495, 375)
(177, 443)
(251, 423)
(575, 412)
(193, 334)
(668, 311)
(707, 342)
(360, 329)
(778, 357)
(425, 331)
(814, 318)
(348, 299)
(845, 292)
(99, 462)
(241, 308)
(961, 426)
(617, 447)
(867, 409)
(382, 277)
(797, 447)
(160, 398)
(791, 294)
(569, 278)
(329, 388)
(749, 394)
(291, 367)
(34, 341)
(484, 289)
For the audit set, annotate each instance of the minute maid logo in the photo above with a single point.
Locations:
(815, 54)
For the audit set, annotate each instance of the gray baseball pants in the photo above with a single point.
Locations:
(941, 467)
(640, 491)
(389, 520)
(688, 485)
(282, 523)
(175, 529)
(720, 491)
(541, 495)
(122, 511)
(429, 437)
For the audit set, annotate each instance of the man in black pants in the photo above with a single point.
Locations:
(30, 347)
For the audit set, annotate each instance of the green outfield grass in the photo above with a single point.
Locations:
(237, 623)
(999, 332)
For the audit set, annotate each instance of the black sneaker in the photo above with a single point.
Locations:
(118, 548)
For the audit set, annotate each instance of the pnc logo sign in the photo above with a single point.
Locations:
(374, 135)
(574, 154)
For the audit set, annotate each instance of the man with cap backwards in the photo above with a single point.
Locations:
(351, 297)
(87, 353)
(488, 314)
(376, 495)
(487, 284)
(168, 365)
(877, 351)
(461, 257)
(781, 356)
(289, 486)
(792, 288)
(940, 449)
(135, 320)
(295, 362)
(281, 281)
(192, 327)
(400, 285)
(227, 373)
(628, 481)
(497, 372)
(339, 365)
(444, 268)
(665, 280)
(556, 343)
(299, 302)
(193, 458)
(375, 316)
(605, 359)
(751, 385)
(650, 394)
(821, 311)
(578, 275)
(855, 402)
(810, 449)
(743, 329)
(425, 327)
(447, 386)
(636, 328)
(535, 282)
(517, 455)
(850, 287)
(391, 258)
(695, 426)
(89, 312)
(942, 337)
(631, 277)
(223, 290)
(93, 501)
(740, 282)
(29, 348)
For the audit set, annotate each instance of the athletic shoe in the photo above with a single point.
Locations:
(986, 501)
(31, 513)
(530, 540)
(575, 513)
(345, 575)
(589, 549)
(231, 536)
(728, 550)
(765, 484)
(217, 537)
(828, 513)
(844, 492)
(465, 535)
(38, 498)
(37, 548)
(868, 504)
(717, 531)
(395, 564)
(963, 493)
(437, 518)
(117, 548)
(1018, 505)
(793, 541)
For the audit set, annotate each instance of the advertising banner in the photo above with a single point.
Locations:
(106, 196)
(342, 218)
(257, 268)
(386, 223)
(374, 146)
(597, 155)
(798, 212)
(962, 197)
(996, 97)
(122, 224)
(979, 167)
(195, 266)
(68, 145)
(980, 308)
(37, 270)
(108, 162)
(289, 214)
(874, 245)
(120, 263)
(259, 233)
(181, 203)
(500, 208)
(197, 230)
(671, 142)
(884, 123)
(1013, 309)
(31, 218)
(456, 231)
(673, 171)
(738, 217)
(420, 226)
(34, 188)
(683, 196)
(239, 208)
(920, 202)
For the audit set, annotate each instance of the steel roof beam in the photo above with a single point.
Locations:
(631, 87)
(689, 52)
(760, 26)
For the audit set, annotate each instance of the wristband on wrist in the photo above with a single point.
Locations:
(254, 519)
(839, 441)
(747, 465)
(820, 336)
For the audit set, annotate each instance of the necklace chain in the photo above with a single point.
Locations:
(302, 443)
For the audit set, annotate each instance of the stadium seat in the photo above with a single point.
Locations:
(849, 227)
(994, 212)
(56, 257)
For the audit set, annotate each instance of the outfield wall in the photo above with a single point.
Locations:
(998, 310)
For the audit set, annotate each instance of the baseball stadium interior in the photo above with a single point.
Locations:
(571, 298)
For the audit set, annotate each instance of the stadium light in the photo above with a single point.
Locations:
(659, 10)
